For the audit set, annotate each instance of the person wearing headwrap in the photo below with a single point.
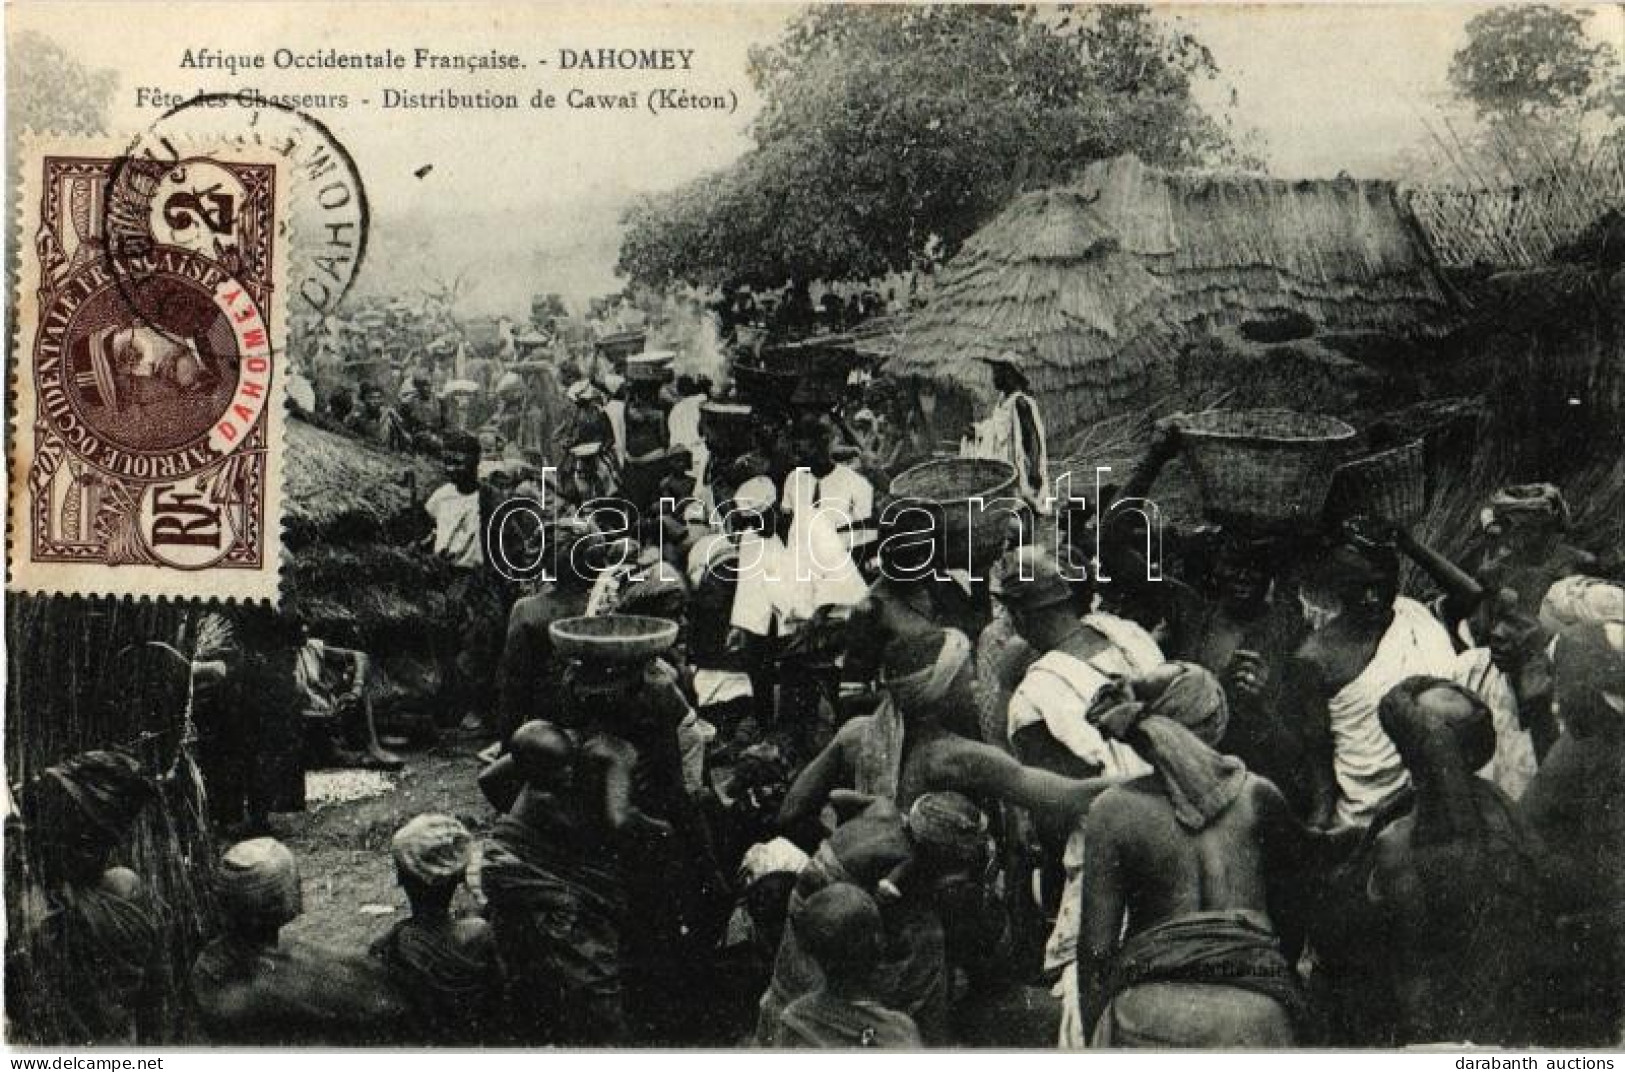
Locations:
(1199, 962)
(1244, 627)
(900, 864)
(904, 752)
(1524, 545)
(94, 955)
(840, 928)
(1574, 805)
(445, 967)
(1456, 881)
(1579, 599)
(252, 987)
(1367, 638)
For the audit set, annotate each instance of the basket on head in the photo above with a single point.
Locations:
(764, 388)
(1390, 484)
(1263, 466)
(970, 500)
(613, 637)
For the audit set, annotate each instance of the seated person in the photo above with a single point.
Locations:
(335, 685)
(446, 968)
(250, 988)
(840, 928)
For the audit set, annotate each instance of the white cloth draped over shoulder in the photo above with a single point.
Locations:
(1367, 766)
(1001, 435)
(1057, 691)
(1059, 688)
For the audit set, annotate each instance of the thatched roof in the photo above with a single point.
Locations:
(1099, 283)
(352, 571)
(341, 488)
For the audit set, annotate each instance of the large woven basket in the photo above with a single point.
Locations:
(1263, 466)
(1390, 484)
(971, 501)
(612, 637)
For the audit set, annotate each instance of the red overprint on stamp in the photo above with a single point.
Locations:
(148, 390)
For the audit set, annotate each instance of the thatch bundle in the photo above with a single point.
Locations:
(81, 677)
(1104, 283)
(354, 572)
(339, 489)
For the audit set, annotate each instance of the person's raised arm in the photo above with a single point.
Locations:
(1164, 446)
(979, 769)
(810, 790)
(1462, 593)
(620, 813)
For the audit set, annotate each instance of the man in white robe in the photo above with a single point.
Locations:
(1014, 432)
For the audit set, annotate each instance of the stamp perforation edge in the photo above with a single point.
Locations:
(137, 581)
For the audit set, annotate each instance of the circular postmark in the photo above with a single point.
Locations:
(327, 207)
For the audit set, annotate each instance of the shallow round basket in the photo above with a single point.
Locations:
(612, 637)
(971, 501)
(1263, 466)
(1390, 484)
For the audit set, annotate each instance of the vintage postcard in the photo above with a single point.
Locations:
(714, 524)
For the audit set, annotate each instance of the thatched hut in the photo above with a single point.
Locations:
(1111, 287)
(353, 573)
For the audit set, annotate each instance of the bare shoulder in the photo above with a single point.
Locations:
(852, 731)
(1266, 796)
(607, 748)
(1126, 806)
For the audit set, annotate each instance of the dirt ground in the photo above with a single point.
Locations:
(351, 896)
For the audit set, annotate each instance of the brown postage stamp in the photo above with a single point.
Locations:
(148, 371)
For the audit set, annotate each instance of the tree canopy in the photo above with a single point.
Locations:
(57, 93)
(1533, 60)
(885, 127)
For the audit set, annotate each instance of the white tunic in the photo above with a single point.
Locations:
(1367, 765)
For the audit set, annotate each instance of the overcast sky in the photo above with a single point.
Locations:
(528, 200)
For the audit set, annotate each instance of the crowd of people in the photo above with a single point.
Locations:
(845, 788)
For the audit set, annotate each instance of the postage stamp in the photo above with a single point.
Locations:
(148, 377)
